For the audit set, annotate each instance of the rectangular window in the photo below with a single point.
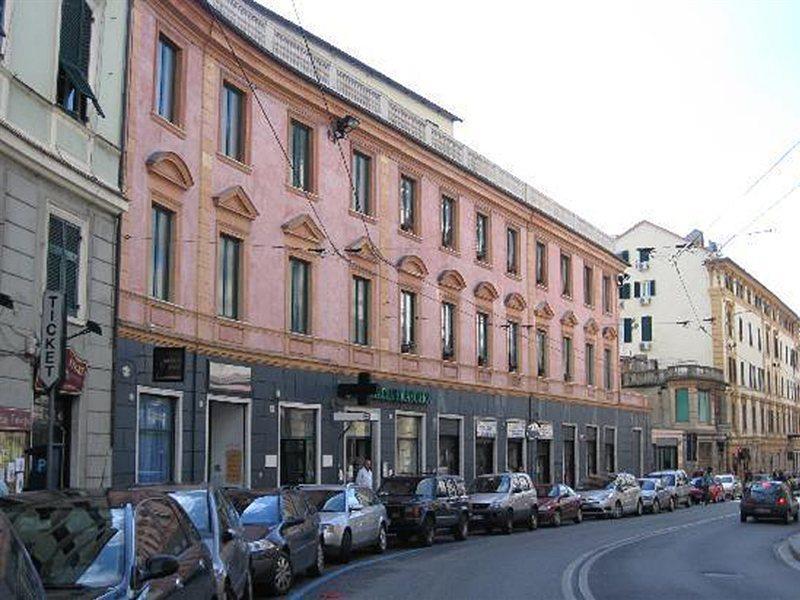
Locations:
(541, 353)
(482, 333)
(408, 191)
(566, 357)
(566, 275)
(408, 452)
(589, 361)
(625, 291)
(608, 369)
(541, 263)
(512, 251)
(73, 91)
(703, 406)
(167, 79)
(647, 329)
(513, 346)
(232, 122)
(588, 286)
(652, 291)
(408, 317)
(361, 299)
(448, 222)
(591, 450)
(448, 331)
(637, 289)
(606, 294)
(627, 330)
(610, 443)
(362, 183)
(156, 440)
(300, 272)
(625, 256)
(162, 253)
(682, 405)
(301, 156)
(63, 261)
(229, 273)
(481, 237)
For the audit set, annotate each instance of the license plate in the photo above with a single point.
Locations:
(477, 517)
(763, 511)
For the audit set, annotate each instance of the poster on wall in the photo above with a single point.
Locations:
(486, 429)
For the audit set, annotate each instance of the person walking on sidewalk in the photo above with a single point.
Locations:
(364, 475)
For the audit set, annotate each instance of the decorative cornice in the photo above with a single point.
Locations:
(452, 279)
(486, 291)
(568, 319)
(303, 227)
(544, 311)
(515, 301)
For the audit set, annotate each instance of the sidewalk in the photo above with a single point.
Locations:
(794, 546)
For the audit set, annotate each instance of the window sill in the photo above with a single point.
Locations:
(168, 125)
(412, 235)
(483, 263)
(231, 322)
(450, 251)
(541, 286)
(302, 193)
(165, 303)
(514, 276)
(232, 162)
(362, 216)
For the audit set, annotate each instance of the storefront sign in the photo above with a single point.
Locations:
(168, 363)
(15, 419)
(486, 429)
(515, 429)
(402, 396)
(229, 379)
(74, 375)
(54, 325)
(540, 430)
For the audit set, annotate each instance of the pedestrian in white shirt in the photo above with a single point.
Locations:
(364, 476)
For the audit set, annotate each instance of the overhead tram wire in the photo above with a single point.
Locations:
(503, 320)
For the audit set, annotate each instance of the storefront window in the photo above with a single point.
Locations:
(543, 461)
(610, 450)
(298, 445)
(358, 447)
(408, 445)
(568, 433)
(156, 439)
(485, 433)
(591, 450)
(515, 446)
(450, 446)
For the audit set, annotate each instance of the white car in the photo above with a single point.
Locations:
(731, 484)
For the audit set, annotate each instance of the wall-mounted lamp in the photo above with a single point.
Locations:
(91, 327)
(6, 301)
(342, 126)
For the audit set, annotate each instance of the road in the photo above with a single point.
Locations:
(699, 552)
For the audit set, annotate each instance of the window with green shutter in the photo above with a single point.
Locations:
(647, 329)
(73, 89)
(703, 406)
(63, 261)
(682, 405)
(301, 156)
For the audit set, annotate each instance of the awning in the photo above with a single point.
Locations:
(78, 81)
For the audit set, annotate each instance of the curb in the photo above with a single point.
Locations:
(794, 546)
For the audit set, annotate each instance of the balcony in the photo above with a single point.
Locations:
(657, 377)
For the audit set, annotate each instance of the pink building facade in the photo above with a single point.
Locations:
(255, 278)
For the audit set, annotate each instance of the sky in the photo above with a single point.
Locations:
(620, 111)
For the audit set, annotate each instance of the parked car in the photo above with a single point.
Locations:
(114, 545)
(613, 499)
(503, 500)
(422, 505)
(769, 500)
(732, 485)
(282, 529)
(350, 518)
(18, 577)
(655, 495)
(715, 491)
(677, 482)
(558, 503)
(221, 529)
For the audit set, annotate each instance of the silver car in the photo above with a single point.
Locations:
(503, 500)
(616, 498)
(351, 517)
(731, 484)
(655, 495)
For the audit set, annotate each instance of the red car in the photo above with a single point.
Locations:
(715, 491)
(558, 503)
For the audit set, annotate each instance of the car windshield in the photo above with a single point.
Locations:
(73, 546)
(407, 486)
(647, 484)
(326, 500)
(261, 510)
(726, 478)
(547, 491)
(493, 484)
(195, 503)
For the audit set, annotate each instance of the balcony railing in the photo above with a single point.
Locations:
(657, 377)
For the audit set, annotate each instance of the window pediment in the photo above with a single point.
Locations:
(363, 249)
(413, 265)
(235, 200)
(303, 227)
(486, 291)
(515, 301)
(452, 279)
(609, 333)
(544, 311)
(590, 327)
(569, 319)
(170, 167)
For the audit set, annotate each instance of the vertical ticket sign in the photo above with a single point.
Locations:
(54, 325)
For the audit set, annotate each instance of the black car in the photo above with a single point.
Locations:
(18, 576)
(220, 528)
(768, 500)
(86, 544)
(282, 528)
(421, 505)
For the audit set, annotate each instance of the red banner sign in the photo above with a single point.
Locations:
(15, 419)
(74, 375)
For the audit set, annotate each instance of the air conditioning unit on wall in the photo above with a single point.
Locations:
(644, 300)
(645, 346)
(643, 265)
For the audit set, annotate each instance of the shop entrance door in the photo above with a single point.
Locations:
(357, 450)
(543, 461)
(227, 443)
(484, 456)
(516, 462)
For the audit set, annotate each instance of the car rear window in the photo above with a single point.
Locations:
(764, 491)
(407, 486)
(195, 503)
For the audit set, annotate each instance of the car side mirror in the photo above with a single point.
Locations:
(228, 535)
(356, 508)
(160, 565)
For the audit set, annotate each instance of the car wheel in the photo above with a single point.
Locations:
(671, 506)
(533, 519)
(281, 575)
(508, 525)
(319, 564)
(617, 514)
(428, 534)
(346, 547)
(382, 542)
(556, 519)
(742, 517)
(639, 509)
(462, 529)
(656, 507)
(578, 516)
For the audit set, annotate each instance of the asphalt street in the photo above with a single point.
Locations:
(699, 552)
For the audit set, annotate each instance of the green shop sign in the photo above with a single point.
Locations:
(401, 396)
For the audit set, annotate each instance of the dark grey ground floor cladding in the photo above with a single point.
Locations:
(190, 439)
